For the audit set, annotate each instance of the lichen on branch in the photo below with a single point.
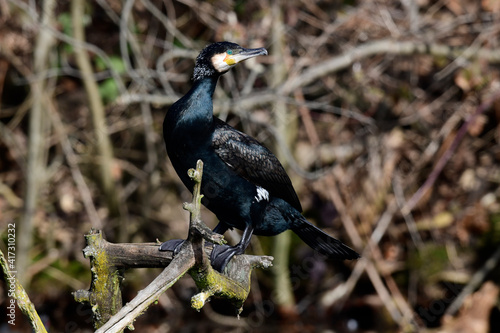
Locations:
(107, 259)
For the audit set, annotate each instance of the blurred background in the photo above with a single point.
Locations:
(385, 114)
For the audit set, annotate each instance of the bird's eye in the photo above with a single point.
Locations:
(229, 52)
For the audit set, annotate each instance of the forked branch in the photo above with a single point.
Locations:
(108, 262)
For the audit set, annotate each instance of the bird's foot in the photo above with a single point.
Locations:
(221, 255)
(173, 245)
(219, 258)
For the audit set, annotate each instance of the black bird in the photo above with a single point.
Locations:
(244, 183)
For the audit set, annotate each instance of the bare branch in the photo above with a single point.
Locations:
(109, 260)
(97, 109)
(384, 46)
(37, 151)
(17, 292)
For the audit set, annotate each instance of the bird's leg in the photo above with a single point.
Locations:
(221, 228)
(222, 254)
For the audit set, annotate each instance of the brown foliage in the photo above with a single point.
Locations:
(397, 150)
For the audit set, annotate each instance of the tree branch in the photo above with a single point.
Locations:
(108, 262)
(286, 124)
(384, 46)
(37, 150)
(16, 292)
(330, 66)
(96, 107)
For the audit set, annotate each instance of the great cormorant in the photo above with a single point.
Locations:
(243, 183)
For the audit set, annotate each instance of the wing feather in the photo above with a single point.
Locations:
(252, 161)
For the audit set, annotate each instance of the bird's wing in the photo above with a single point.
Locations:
(252, 161)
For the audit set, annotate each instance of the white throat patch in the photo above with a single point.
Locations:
(262, 194)
(219, 64)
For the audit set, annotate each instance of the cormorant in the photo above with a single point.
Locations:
(243, 183)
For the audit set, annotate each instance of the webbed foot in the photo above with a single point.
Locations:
(173, 245)
(219, 258)
(221, 255)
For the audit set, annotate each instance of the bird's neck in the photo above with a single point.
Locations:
(198, 106)
(204, 87)
(194, 111)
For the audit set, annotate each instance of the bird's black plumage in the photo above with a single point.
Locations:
(252, 161)
(244, 183)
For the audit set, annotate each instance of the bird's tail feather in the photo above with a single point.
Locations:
(321, 241)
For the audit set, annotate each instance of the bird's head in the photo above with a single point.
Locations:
(217, 58)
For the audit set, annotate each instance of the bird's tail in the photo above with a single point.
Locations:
(321, 241)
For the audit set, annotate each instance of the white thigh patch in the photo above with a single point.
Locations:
(261, 194)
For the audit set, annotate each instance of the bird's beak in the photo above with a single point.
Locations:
(244, 55)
